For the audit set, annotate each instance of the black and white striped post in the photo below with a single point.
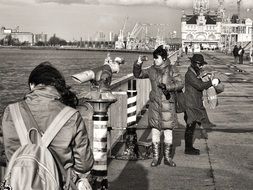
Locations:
(131, 104)
(131, 146)
(100, 122)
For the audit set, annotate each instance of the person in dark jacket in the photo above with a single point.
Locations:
(48, 96)
(186, 50)
(195, 111)
(165, 81)
(235, 53)
(240, 53)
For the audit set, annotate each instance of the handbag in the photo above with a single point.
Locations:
(219, 88)
(180, 102)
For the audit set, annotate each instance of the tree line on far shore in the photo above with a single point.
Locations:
(9, 40)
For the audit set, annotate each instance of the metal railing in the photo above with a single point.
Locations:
(117, 111)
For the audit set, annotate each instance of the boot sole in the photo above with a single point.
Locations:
(190, 153)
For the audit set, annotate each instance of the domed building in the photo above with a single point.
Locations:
(205, 29)
(202, 29)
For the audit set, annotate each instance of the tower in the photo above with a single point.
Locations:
(221, 10)
(238, 8)
(199, 5)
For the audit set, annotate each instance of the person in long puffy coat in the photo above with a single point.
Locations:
(165, 81)
(48, 96)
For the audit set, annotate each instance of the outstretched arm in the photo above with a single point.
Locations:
(196, 83)
(139, 72)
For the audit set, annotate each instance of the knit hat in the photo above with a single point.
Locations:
(45, 74)
(160, 50)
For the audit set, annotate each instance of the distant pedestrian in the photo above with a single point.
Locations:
(240, 53)
(186, 50)
(236, 55)
(192, 50)
(195, 111)
(165, 81)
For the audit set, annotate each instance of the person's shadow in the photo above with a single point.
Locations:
(133, 176)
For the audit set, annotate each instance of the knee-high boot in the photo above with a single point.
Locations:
(169, 152)
(156, 147)
(189, 149)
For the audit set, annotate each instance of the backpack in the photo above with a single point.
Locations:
(33, 165)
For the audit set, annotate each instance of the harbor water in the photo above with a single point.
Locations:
(16, 65)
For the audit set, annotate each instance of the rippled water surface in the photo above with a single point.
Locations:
(16, 65)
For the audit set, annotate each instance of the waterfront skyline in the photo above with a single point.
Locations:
(75, 19)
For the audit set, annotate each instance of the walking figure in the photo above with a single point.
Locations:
(186, 50)
(240, 53)
(235, 53)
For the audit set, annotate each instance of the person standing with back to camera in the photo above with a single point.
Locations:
(195, 110)
(48, 95)
(165, 81)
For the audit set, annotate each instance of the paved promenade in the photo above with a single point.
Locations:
(226, 159)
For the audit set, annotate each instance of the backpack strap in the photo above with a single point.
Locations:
(57, 124)
(19, 123)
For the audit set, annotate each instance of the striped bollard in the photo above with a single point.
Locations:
(100, 121)
(131, 104)
(131, 151)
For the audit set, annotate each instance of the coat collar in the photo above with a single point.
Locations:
(44, 91)
(192, 70)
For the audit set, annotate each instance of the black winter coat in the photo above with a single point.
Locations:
(194, 88)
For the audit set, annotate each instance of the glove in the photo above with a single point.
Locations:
(119, 60)
(215, 82)
(162, 86)
(139, 60)
(83, 184)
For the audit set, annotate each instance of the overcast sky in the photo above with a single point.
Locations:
(73, 19)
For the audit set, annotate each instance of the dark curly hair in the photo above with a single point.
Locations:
(46, 74)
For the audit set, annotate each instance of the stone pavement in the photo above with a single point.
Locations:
(226, 160)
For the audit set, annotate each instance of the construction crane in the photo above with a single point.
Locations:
(138, 37)
(119, 44)
(160, 38)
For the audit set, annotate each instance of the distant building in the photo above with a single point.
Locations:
(236, 33)
(201, 30)
(40, 38)
(111, 36)
(100, 36)
(22, 37)
(206, 30)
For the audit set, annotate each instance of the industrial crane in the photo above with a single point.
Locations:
(132, 40)
(120, 43)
